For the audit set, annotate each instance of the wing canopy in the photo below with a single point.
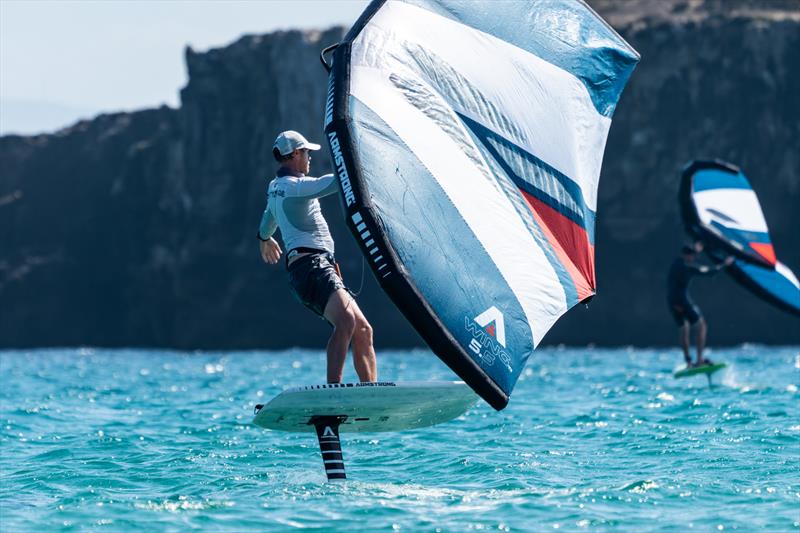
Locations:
(719, 207)
(468, 139)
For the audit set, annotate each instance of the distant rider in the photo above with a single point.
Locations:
(685, 312)
(293, 206)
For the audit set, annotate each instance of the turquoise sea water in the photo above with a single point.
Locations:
(162, 441)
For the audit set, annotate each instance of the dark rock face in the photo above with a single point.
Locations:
(138, 229)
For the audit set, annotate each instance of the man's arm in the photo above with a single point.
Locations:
(270, 249)
(268, 224)
(316, 187)
(710, 271)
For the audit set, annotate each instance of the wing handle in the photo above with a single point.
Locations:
(327, 50)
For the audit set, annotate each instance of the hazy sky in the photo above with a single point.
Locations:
(62, 60)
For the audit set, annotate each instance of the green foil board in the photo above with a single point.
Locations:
(695, 370)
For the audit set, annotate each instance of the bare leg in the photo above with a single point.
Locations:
(338, 313)
(683, 335)
(363, 352)
(702, 329)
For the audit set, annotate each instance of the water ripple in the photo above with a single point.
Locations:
(593, 439)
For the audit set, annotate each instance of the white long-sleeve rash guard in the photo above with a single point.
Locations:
(293, 206)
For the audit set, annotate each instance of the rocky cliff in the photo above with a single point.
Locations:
(138, 229)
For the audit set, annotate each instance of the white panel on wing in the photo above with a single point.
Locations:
(740, 205)
(555, 118)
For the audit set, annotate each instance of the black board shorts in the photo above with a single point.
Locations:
(684, 310)
(313, 278)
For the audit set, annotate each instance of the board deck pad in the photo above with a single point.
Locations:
(367, 407)
(695, 370)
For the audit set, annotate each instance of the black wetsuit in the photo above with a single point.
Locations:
(680, 276)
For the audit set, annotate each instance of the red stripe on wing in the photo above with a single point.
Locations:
(570, 242)
(765, 250)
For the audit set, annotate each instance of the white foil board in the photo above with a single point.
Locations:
(368, 407)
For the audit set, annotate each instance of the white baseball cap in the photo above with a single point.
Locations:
(289, 141)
